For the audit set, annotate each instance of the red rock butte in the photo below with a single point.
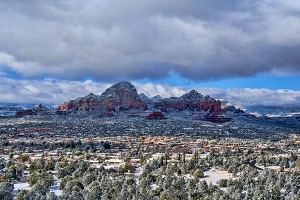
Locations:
(122, 96)
(156, 116)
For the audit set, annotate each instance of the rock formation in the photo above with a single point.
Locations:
(40, 110)
(156, 98)
(122, 96)
(150, 101)
(145, 99)
(233, 109)
(156, 116)
(191, 101)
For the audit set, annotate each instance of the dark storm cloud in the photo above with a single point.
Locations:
(117, 40)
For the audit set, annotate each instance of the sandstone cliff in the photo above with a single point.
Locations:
(191, 101)
(122, 96)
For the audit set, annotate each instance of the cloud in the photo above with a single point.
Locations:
(55, 91)
(111, 40)
(150, 90)
(254, 96)
(235, 96)
(51, 91)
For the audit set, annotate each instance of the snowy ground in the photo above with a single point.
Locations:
(204, 155)
(281, 155)
(5, 157)
(25, 186)
(214, 176)
(96, 166)
(56, 190)
(188, 176)
(21, 186)
(138, 171)
(112, 166)
(153, 186)
(269, 167)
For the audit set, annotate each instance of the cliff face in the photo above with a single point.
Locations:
(191, 101)
(86, 103)
(122, 95)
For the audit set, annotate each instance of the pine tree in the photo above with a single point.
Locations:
(52, 196)
(6, 191)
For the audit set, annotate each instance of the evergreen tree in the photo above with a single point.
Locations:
(6, 191)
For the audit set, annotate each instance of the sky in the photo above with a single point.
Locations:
(246, 52)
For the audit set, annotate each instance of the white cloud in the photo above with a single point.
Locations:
(21, 67)
(253, 96)
(46, 90)
(151, 90)
(56, 91)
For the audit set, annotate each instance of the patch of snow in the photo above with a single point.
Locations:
(114, 161)
(138, 171)
(274, 167)
(21, 186)
(204, 155)
(269, 167)
(96, 166)
(281, 155)
(111, 166)
(214, 176)
(274, 115)
(153, 186)
(256, 114)
(56, 190)
(188, 176)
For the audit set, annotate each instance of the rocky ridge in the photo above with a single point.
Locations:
(150, 101)
(233, 109)
(121, 96)
(40, 110)
(193, 101)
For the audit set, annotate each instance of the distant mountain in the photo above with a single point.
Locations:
(145, 99)
(40, 110)
(156, 98)
(274, 111)
(10, 109)
(121, 96)
(150, 101)
(232, 109)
